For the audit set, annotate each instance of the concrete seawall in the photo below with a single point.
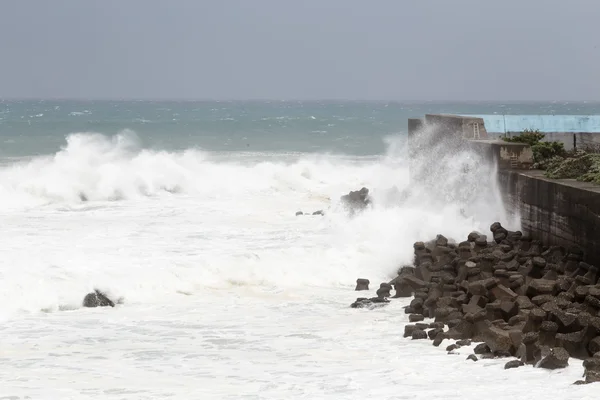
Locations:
(557, 212)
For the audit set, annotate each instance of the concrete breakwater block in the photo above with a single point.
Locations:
(518, 298)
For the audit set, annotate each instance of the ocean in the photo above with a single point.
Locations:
(184, 213)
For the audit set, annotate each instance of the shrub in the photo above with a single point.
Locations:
(571, 168)
(528, 136)
(542, 151)
(593, 172)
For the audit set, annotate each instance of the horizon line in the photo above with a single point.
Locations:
(340, 100)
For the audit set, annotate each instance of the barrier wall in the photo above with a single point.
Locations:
(544, 123)
(560, 212)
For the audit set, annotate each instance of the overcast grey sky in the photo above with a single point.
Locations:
(301, 49)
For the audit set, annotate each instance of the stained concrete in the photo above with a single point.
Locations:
(562, 212)
(505, 155)
(457, 125)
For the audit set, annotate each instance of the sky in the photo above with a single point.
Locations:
(445, 50)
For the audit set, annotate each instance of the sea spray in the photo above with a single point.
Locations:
(147, 225)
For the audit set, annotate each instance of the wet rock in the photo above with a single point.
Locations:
(482, 348)
(356, 200)
(409, 329)
(574, 343)
(472, 357)
(513, 364)
(553, 358)
(402, 289)
(529, 348)
(299, 213)
(418, 334)
(439, 338)
(436, 325)
(372, 303)
(362, 284)
(422, 325)
(97, 299)
(433, 333)
(415, 317)
(452, 347)
(384, 290)
(464, 342)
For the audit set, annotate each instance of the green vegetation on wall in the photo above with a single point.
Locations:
(581, 164)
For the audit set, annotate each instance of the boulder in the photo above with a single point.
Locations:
(418, 334)
(409, 329)
(482, 348)
(439, 338)
(402, 289)
(553, 358)
(372, 303)
(384, 290)
(356, 200)
(362, 284)
(513, 364)
(97, 299)
(415, 317)
(452, 347)
(433, 333)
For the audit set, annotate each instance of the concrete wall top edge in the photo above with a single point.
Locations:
(539, 174)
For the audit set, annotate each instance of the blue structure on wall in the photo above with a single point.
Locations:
(543, 123)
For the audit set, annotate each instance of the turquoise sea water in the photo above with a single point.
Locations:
(357, 128)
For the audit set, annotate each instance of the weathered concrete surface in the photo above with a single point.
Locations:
(561, 212)
(462, 126)
(505, 155)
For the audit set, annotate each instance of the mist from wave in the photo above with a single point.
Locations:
(147, 225)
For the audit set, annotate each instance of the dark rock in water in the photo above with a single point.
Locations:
(439, 338)
(422, 325)
(553, 358)
(97, 299)
(434, 332)
(472, 357)
(373, 302)
(452, 347)
(318, 212)
(356, 200)
(419, 334)
(513, 364)
(481, 348)
(415, 317)
(436, 325)
(402, 289)
(384, 290)
(522, 299)
(408, 330)
(299, 213)
(362, 284)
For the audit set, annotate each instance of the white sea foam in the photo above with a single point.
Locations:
(226, 293)
(101, 210)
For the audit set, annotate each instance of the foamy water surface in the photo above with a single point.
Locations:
(225, 293)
